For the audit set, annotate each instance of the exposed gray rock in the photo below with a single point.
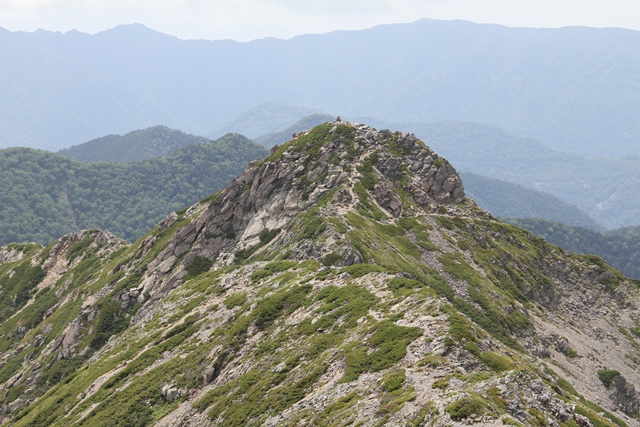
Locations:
(171, 393)
(624, 395)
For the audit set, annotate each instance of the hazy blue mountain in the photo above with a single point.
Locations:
(507, 200)
(264, 118)
(270, 139)
(136, 146)
(575, 88)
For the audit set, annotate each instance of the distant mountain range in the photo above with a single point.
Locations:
(507, 200)
(266, 118)
(576, 89)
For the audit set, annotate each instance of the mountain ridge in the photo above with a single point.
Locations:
(343, 279)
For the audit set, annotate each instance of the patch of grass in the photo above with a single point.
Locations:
(369, 178)
(401, 286)
(359, 270)
(394, 380)
(571, 353)
(272, 268)
(254, 394)
(333, 258)
(389, 342)
(425, 413)
(432, 360)
(79, 248)
(441, 383)
(496, 361)
(595, 419)
(312, 224)
(607, 376)
(338, 225)
(267, 235)
(258, 275)
(235, 300)
(460, 328)
(333, 413)
(463, 408)
(111, 321)
(367, 207)
(508, 421)
(242, 255)
(600, 410)
(341, 308)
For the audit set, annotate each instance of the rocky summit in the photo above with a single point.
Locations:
(343, 280)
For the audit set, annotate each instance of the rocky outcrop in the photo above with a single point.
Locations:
(171, 393)
(624, 395)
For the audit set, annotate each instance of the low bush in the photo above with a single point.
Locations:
(463, 408)
(607, 376)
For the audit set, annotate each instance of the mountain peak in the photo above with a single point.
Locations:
(336, 167)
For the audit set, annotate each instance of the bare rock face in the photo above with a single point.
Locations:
(171, 393)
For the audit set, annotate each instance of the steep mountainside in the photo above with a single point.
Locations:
(575, 87)
(507, 200)
(136, 146)
(620, 248)
(46, 195)
(343, 280)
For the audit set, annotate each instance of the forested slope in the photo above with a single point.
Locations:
(135, 146)
(44, 195)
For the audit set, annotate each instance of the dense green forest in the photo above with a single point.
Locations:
(44, 195)
(136, 146)
(507, 200)
(620, 248)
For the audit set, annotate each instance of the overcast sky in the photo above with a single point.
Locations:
(245, 20)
